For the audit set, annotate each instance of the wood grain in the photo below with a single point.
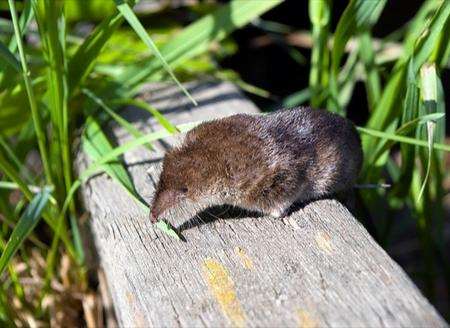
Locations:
(318, 267)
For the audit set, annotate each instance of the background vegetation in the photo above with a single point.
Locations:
(67, 66)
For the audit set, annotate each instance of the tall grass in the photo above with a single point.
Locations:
(399, 105)
(52, 89)
(404, 136)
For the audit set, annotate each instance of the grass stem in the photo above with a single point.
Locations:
(38, 126)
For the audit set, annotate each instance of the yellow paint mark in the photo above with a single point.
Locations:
(305, 320)
(222, 287)
(245, 259)
(130, 297)
(324, 242)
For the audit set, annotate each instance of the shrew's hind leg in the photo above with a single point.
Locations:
(279, 210)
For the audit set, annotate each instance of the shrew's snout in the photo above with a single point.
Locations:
(154, 215)
(163, 201)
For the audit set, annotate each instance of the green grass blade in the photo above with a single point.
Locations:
(421, 19)
(18, 289)
(429, 86)
(8, 151)
(26, 224)
(440, 132)
(134, 22)
(297, 98)
(167, 229)
(9, 58)
(386, 144)
(24, 21)
(431, 35)
(408, 152)
(96, 144)
(119, 119)
(196, 38)
(398, 138)
(441, 51)
(10, 171)
(51, 24)
(429, 96)
(421, 120)
(7, 76)
(77, 240)
(165, 123)
(14, 186)
(233, 77)
(437, 188)
(410, 107)
(358, 16)
(430, 129)
(347, 79)
(319, 15)
(31, 96)
(372, 81)
(82, 62)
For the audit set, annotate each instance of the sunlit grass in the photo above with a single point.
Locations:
(399, 106)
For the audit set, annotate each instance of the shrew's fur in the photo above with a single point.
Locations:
(260, 162)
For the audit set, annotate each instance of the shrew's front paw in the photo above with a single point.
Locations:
(279, 212)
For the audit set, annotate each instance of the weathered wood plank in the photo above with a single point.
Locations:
(319, 267)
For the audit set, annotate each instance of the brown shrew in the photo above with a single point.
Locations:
(261, 163)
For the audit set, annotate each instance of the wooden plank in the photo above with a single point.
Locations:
(319, 267)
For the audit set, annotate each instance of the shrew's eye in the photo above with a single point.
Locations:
(184, 190)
